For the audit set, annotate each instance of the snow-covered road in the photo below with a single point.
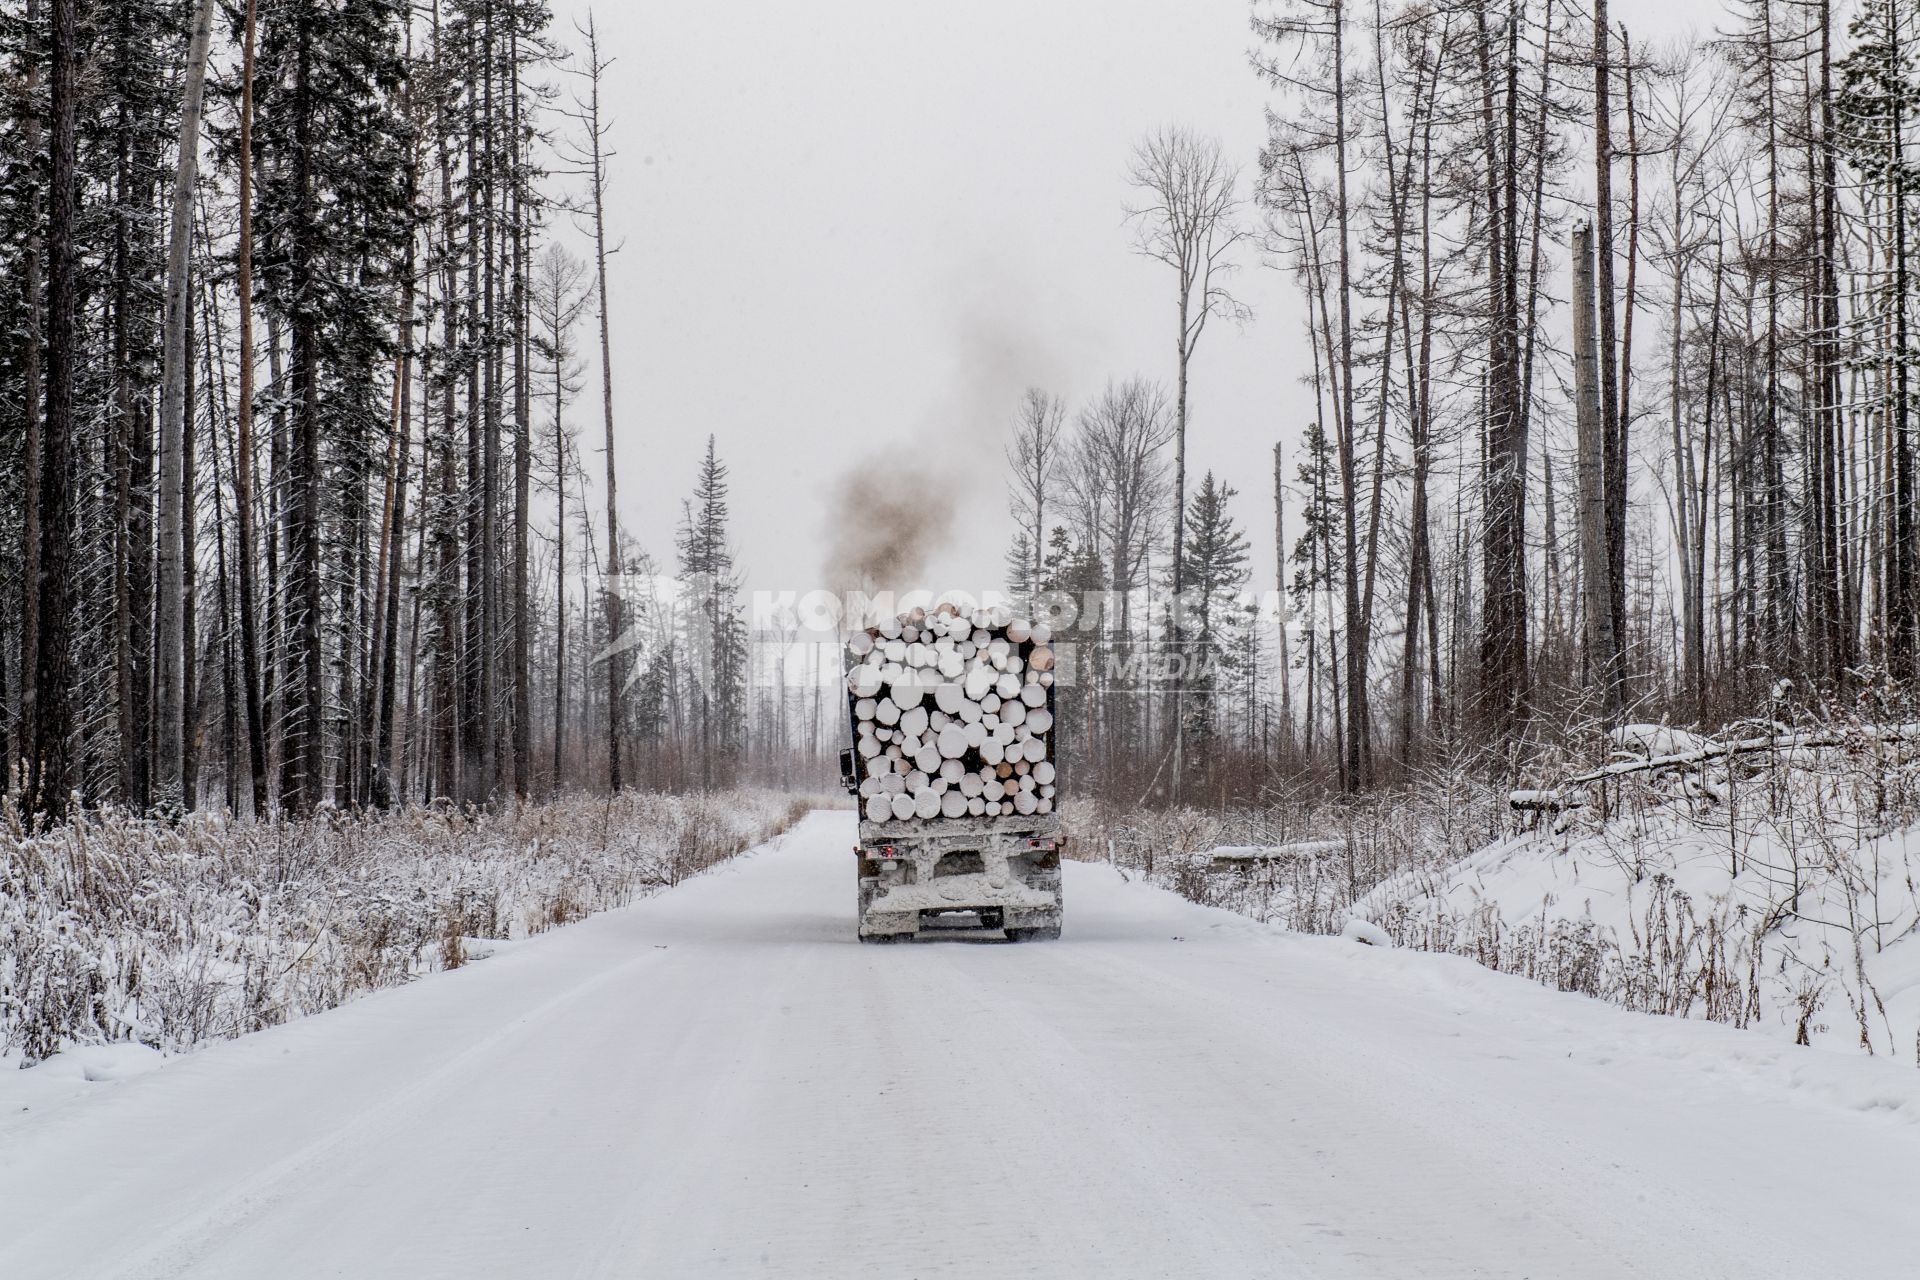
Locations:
(720, 1082)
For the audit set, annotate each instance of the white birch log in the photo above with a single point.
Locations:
(980, 682)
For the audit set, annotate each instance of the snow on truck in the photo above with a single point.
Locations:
(952, 763)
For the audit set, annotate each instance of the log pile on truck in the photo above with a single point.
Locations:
(951, 715)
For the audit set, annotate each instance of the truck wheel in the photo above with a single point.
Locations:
(1044, 933)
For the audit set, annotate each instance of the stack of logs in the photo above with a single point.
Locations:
(952, 715)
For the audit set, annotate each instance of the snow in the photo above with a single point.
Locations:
(1272, 852)
(1783, 900)
(1365, 931)
(719, 1081)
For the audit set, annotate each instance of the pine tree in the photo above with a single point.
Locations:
(717, 632)
(1216, 568)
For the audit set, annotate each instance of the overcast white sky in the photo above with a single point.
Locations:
(861, 223)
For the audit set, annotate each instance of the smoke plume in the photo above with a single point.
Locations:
(889, 513)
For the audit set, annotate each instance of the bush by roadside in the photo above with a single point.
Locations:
(116, 928)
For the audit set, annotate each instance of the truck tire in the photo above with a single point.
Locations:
(1044, 933)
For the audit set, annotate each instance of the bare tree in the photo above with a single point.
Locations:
(560, 297)
(1034, 455)
(1189, 219)
(596, 157)
(1117, 490)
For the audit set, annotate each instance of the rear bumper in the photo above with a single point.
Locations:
(1020, 896)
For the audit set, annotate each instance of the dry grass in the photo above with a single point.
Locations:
(122, 928)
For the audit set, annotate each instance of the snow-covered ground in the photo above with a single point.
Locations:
(719, 1082)
(1784, 897)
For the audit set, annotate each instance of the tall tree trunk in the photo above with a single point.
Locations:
(251, 670)
(597, 177)
(522, 436)
(50, 774)
(1358, 768)
(170, 639)
(31, 130)
(1602, 652)
(1614, 439)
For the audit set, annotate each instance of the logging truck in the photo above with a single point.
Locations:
(952, 765)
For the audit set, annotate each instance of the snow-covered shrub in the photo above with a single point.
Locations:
(1769, 878)
(171, 934)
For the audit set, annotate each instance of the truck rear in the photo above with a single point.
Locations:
(952, 723)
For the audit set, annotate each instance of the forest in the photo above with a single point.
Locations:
(309, 449)
(293, 482)
(1610, 408)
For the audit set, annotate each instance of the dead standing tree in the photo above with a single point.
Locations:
(1190, 220)
(560, 296)
(587, 113)
(1034, 456)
